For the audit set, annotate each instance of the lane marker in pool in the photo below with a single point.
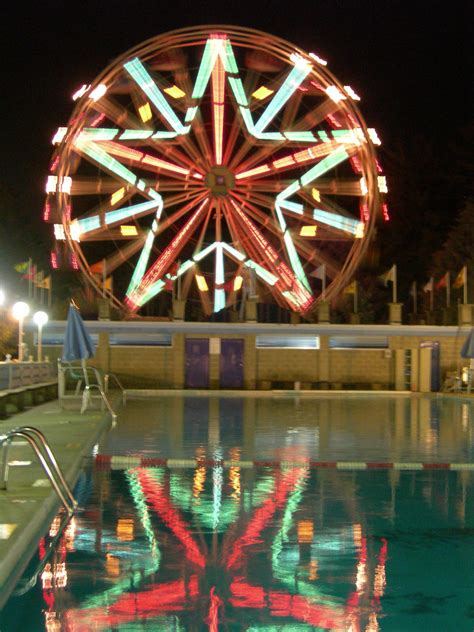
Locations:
(115, 462)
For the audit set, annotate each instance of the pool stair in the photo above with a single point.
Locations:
(29, 505)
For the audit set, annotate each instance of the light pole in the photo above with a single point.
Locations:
(20, 311)
(40, 319)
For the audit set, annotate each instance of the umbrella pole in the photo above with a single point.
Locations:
(86, 394)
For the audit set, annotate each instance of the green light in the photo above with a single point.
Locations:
(324, 165)
(184, 267)
(228, 59)
(232, 251)
(104, 159)
(219, 264)
(97, 133)
(305, 137)
(140, 268)
(211, 51)
(268, 135)
(137, 134)
(88, 223)
(152, 291)
(238, 90)
(295, 260)
(190, 114)
(347, 224)
(219, 299)
(141, 76)
(163, 135)
(292, 206)
(266, 276)
(200, 255)
(290, 85)
(112, 217)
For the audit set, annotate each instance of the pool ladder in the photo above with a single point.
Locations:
(45, 455)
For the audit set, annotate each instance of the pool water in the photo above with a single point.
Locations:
(215, 545)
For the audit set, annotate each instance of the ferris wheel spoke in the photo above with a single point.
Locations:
(100, 157)
(317, 115)
(144, 160)
(113, 261)
(158, 269)
(311, 255)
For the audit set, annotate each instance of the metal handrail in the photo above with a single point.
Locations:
(88, 386)
(38, 442)
(118, 382)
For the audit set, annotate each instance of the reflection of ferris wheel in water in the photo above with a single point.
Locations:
(211, 157)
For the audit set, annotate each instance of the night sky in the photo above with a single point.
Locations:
(411, 62)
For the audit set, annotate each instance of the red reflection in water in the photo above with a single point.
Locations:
(189, 593)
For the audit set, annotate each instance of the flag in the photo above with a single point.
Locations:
(21, 267)
(443, 282)
(460, 280)
(390, 275)
(320, 272)
(108, 283)
(45, 283)
(429, 287)
(97, 268)
(31, 274)
(351, 288)
(38, 278)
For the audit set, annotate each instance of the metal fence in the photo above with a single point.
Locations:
(17, 374)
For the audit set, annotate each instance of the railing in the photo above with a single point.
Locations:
(82, 373)
(119, 384)
(17, 374)
(45, 455)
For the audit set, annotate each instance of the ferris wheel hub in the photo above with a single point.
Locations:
(220, 180)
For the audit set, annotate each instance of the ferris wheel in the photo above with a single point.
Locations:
(212, 159)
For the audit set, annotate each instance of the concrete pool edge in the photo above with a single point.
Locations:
(157, 392)
(14, 563)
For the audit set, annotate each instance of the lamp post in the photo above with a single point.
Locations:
(40, 319)
(19, 312)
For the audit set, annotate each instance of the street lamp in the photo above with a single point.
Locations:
(19, 312)
(40, 319)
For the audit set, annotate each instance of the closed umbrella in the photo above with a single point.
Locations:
(78, 345)
(467, 351)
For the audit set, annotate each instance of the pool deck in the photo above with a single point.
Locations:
(29, 504)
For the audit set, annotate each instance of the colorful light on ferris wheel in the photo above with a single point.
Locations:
(277, 149)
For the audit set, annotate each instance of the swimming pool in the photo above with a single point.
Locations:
(245, 523)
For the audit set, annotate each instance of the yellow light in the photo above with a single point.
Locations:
(125, 529)
(117, 196)
(201, 283)
(316, 194)
(199, 480)
(308, 231)
(262, 93)
(238, 283)
(112, 564)
(305, 531)
(128, 231)
(145, 112)
(313, 570)
(175, 92)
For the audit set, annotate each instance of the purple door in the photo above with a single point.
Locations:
(197, 363)
(232, 363)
